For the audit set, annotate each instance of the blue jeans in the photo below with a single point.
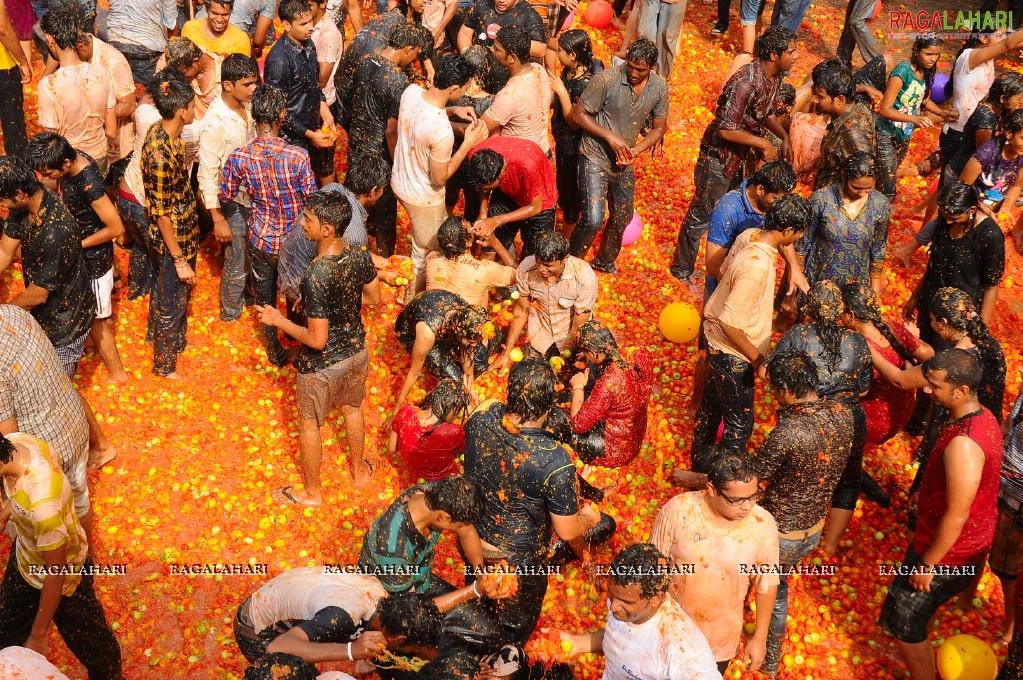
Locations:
(661, 23)
(264, 288)
(168, 313)
(856, 34)
(236, 262)
(597, 188)
(727, 394)
(140, 268)
(790, 553)
(789, 13)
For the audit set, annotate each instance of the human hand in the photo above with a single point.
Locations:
(476, 132)
(369, 646)
(923, 122)
(557, 84)
(921, 582)
(318, 139)
(756, 650)
(580, 379)
(185, 273)
(26, 72)
(623, 153)
(787, 152)
(269, 315)
(485, 226)
(465, 113)
(222, 231)
(770, 152)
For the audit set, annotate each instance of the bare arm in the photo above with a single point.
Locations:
(464, 38)
(9, 39)
(423, 344)
(296, 642)
(392, 135)
(112, 225)
(987, 304)
(355, 14)
(655, 135)
(259, 34)
(49, 598)
(911, 378)
(31, 297)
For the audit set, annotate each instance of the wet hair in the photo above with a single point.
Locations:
(84, 18)
(793, 370)
(413, 615)
(452, 70)
(367, 174)
(824, 307)
(772, 42)
(919, 45)
(643, 51)
(15, 176)
(330, 207)
(515, 41)
(456, 496)
(774, 177)
(577, 42)
(1012, 123)
(6, 450)
(641, 564)
(62, 26)
(551, 246)
(531, 389)
(170, 92)
(465, 323)
(956, 308)
(227, 3)
(238, 66)
(453, 238)
(280, 666)
(182, 53)
(268, 103)
(49, 151)
(447, 397)
(857, 165)
(485, 167)
(961, 369)
(404, 36)
(1006, 85)
(786, 95)
(791, 211)
(861, 301)
(834, 78)
(457, 664)
(291, 10)
(480, 60)
(731, 466)
(595, 337)
(956, 198)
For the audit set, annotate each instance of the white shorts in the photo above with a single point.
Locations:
(103, 287)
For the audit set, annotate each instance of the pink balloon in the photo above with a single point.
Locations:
(721, 430)
(633, 231)
(568, 20)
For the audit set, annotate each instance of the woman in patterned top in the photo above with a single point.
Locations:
(848, 234)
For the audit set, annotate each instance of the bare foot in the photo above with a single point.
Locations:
(362, 473)
(1017, 236)
(98, 458)
(174, 376)
(116, 379)
(289, 495)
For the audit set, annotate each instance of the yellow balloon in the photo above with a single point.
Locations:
(965, 657)
(679, 322)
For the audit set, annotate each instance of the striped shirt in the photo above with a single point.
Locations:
(43, 515)
(278, 178)
(1011, 488)
(394, 541)
(35, 390)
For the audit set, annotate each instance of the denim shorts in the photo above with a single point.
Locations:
(906, 612)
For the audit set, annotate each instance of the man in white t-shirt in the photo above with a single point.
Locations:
(522, 107)
(423, 158)
(647, 635)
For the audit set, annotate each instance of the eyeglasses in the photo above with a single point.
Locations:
(739, 501)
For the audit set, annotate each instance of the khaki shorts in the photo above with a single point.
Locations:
(1006, 557)
(343, 384)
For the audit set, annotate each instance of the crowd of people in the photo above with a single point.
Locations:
(165, 124)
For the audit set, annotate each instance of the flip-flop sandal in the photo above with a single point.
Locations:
(286, 492)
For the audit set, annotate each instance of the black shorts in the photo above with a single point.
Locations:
(906, 612)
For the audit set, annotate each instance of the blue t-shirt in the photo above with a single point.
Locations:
(732, 215)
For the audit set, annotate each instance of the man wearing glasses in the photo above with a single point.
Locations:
(721, 543)
(801, 461)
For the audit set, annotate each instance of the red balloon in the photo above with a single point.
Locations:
(598, 14)
(877, 10)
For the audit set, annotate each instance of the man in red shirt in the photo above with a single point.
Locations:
(518, 187)
(957, 510)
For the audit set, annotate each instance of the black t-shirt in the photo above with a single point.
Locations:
(332, 290)
(51, 258)
(566, 139)
(982, 118)
(375, 98)
(852, 372)
(79, 192)
(875, 74)
(485, 21)
(370, 39)
(524, 478)
(432, 308)
(971, 263)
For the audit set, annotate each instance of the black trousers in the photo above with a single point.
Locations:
(543, 222)
(12, 112)
(263, 266)
(727, 394)
(79, 618)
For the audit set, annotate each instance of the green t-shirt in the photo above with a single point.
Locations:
(908, 101)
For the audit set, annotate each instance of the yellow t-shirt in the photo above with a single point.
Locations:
(233, 41)
(6, 60)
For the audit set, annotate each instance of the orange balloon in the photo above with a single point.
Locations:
(598, 14)
(679, 322)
